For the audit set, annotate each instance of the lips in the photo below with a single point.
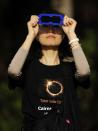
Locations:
(50, 36)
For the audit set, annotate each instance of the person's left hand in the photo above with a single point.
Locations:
(69, 25)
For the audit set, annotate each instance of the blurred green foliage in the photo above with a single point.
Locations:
(10, 108)
(87, 96)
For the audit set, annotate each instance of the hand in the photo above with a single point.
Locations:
(33, 26)
(69, 26)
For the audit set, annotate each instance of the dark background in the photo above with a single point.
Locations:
(14, 15)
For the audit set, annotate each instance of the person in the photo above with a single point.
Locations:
(49, 75)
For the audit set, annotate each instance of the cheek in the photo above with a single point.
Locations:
(42, 39)
(59, 39)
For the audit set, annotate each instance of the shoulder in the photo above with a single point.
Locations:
(68, 59)
(29, 61)
(69, 65)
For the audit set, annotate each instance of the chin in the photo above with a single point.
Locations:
(50, 44)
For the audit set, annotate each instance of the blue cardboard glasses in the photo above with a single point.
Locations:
(51, 19)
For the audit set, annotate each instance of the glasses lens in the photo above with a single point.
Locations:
(55, 19)
(45, 19)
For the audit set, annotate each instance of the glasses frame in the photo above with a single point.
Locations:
(51, 23)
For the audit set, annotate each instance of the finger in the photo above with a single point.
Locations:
(66, 22)
(34, 22)
(70, 21)
(30, 24)
(66, 19)
(73, 21)
(34, 18)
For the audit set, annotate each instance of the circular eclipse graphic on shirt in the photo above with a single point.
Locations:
(54, 88)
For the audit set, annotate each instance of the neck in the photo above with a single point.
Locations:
(50, 56)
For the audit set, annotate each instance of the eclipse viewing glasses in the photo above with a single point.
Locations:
(51, 19)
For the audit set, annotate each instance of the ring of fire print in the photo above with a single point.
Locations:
(53, 87)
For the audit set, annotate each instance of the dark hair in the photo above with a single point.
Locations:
(49, 11)
(64, 49)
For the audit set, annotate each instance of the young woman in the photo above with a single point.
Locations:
(49, 77)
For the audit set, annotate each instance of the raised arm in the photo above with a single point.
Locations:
(14, 68)
(82, 66)
(80, 60)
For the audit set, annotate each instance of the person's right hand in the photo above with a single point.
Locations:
(33, 26)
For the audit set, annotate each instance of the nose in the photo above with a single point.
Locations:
(50, 29)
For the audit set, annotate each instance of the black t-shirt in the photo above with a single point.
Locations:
(43, 87)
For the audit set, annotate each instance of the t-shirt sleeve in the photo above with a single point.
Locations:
(83, 81)
(18, 81)
(15, 82)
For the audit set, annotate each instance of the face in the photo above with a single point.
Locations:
(50, 35)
